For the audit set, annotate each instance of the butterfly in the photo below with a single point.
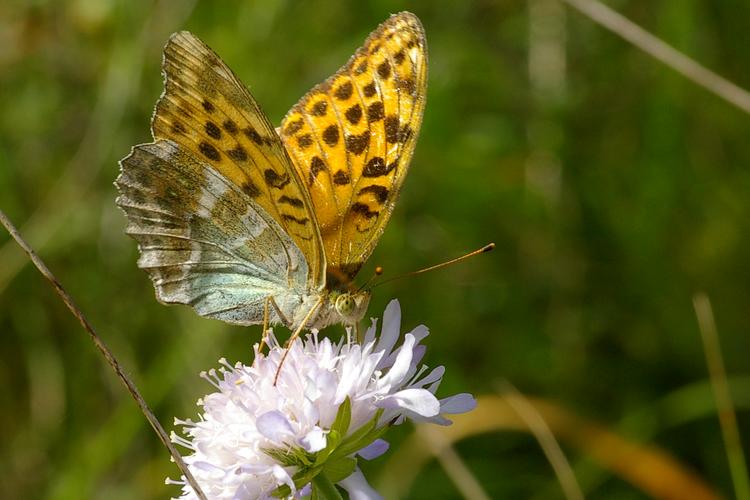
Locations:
(250, 224)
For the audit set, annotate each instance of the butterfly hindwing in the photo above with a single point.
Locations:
(210, 114)
(202, 240)
(352, 137)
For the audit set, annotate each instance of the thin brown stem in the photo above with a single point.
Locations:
(660, 50)
(111, 360)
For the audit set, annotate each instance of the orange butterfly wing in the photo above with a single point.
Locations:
(207, 111)
(352, 137)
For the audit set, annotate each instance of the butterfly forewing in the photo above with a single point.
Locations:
(210, 114)
(352, 137)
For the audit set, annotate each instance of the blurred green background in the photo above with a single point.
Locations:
(614, 189)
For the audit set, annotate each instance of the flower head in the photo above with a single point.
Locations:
(329, 407)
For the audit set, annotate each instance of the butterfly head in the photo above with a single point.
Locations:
(351, 306)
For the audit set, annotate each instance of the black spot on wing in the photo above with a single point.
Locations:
(341, 178)
(316, 166)
(178, 128)
(304, 141)
(290, 200)
(250, 189)
(275, 180)
(344, 91)
(375, 111)
(238, 153)
(209, 151)
(212, 130)
(354, 114)
(331, 135)
(293, 127)
(407, 85)
(379, 192)
(392, 129)
(356, 144)
(302, 221)
(253, 135)
(369, 90)
(230, 126)
(363, 210)
(384, 70)
(376, 167)
(320, 108)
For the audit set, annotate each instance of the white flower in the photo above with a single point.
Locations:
(331, 404)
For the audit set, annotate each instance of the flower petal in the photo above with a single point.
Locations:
(401, 365)
(374, 449)
(390, 330)
(274, 426)
(434, 376)
(357, 487)
(460, 403)
(314, 441)
(282, 476)
(211, 469)
(437, 420)
(419, 352)
(305, 491)
(419, 401)
(420, 332)
(371, 331)
(254, 469)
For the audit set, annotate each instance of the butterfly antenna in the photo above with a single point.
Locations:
(378, 272)
(484, 249)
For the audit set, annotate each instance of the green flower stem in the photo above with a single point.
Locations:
(324, 489)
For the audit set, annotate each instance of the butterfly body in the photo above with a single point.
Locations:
(337, 307)
(247, 224)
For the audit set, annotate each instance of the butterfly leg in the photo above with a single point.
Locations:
(294, 336)
(264, 334)
(349, 329)
(266, 319)
(284, 320)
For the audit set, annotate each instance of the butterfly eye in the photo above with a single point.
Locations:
(344, 304)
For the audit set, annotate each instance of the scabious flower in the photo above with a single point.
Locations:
(329, 408)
